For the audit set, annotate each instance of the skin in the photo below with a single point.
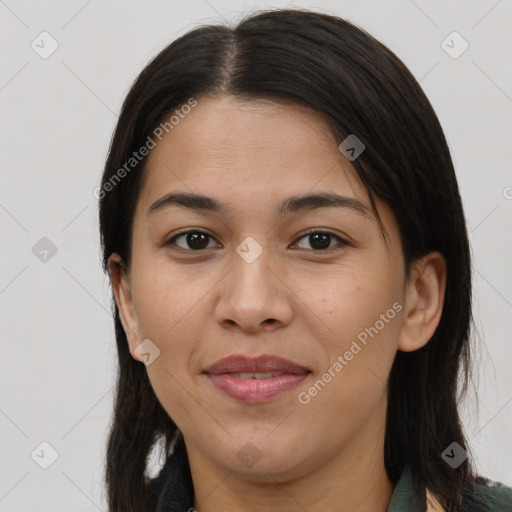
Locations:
(295, 301)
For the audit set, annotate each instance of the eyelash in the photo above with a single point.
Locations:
(341, 241)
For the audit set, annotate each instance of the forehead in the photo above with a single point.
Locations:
(231, 146)
(257, 122)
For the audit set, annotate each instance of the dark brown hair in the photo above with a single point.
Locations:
(360, 87)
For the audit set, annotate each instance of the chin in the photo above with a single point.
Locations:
(265, 460)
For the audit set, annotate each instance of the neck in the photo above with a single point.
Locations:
(353, 479)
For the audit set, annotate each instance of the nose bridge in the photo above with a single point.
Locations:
(251, 294)
(252, 278)
(251, 269)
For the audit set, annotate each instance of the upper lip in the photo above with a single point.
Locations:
(261, 364)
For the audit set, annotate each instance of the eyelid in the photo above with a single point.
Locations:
(185, 231)
(341, 240)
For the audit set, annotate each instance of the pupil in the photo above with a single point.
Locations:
(320, 240)
(200, 240)
(197, 240)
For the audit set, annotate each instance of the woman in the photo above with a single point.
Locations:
(285, 238)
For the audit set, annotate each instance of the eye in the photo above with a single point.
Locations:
(321, 240)
(194, 240)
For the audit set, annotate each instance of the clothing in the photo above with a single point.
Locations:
(172, 491)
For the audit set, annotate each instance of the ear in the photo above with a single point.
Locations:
(120, 279)
(424, 300)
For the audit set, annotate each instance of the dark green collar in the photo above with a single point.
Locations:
(407, 496)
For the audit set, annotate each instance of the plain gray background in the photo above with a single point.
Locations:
(57, 116)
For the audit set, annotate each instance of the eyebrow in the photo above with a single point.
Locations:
(292, 204)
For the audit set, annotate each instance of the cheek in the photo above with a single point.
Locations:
(364, 319)
(168, 313)
(358, 303)
(170, 374)
(170, 309)
(349, 389)
(165, 300)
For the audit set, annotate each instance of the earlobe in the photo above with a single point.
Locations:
(120, 281)
(424, 301)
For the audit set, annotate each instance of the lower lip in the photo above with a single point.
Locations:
(255, 391)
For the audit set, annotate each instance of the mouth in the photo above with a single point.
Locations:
(257, 375)
(255, 380)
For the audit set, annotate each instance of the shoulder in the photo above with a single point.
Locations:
(479, 495)
(485, 495)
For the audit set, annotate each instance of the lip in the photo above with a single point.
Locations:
(255, 390)
(261, 364)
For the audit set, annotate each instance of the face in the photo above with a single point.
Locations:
(281, 269)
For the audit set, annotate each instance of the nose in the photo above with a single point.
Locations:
(253, 296)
